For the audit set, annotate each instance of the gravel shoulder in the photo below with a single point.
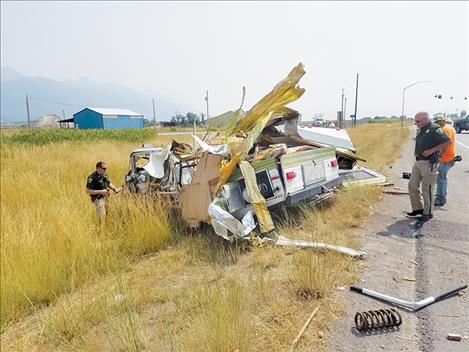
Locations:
(412, 268)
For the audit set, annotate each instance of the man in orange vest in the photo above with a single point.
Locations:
(446, 162)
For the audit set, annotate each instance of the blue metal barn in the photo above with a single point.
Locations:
(107, 118)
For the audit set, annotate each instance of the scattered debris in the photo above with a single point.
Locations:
(282, 241)
(406, 278)
(395, 192)
(377, 319)
(119, 298)
(295, 341)
(455, 337)
(412, 306)
(222, 222)
(406, 175)
(447, 316)
(361, 176)
(415, 263)
(341, 288)
(320, 334)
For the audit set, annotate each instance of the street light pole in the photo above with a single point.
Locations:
(206, 99)
(403, 99)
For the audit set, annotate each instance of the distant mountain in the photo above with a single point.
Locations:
(48, 96)
(8, 73)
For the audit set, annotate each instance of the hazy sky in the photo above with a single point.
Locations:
(181, 49)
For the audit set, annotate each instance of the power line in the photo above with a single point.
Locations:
(56, 102)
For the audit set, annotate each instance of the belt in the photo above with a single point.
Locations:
(420, 157)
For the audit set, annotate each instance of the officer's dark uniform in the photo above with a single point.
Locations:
(97, 182)
(425, 168)
(428, 137)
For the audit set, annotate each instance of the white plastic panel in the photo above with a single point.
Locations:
(331, 172)
(295, 184)
(313, 173)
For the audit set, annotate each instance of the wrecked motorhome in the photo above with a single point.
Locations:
(268, 159)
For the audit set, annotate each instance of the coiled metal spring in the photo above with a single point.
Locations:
(377, 319)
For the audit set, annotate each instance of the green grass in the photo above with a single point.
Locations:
(387, 120)
(46, 136)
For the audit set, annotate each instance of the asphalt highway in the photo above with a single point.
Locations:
(412, 265)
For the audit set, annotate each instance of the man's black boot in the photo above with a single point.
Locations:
(426, 217)
(415, 213)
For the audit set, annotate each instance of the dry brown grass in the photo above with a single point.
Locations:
(200, 293)
(48, 232)
(379, 143)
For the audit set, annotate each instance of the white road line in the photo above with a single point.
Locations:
(465, 146)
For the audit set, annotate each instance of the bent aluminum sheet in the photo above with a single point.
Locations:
(282, 241)
(360, 176)
(222, 222)
(155, 166)
(329, 136)
(321, 135)
(220, 149)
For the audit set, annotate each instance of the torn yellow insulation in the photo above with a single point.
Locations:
(286, 91)
(225, 172)
(243, 131)
(257, 200)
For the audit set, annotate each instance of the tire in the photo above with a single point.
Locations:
(457, 129)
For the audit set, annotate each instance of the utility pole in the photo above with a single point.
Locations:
(27, 110)
(63, 114)
(342, 110)
(206, 99)
(356, 100)
(154, 114)
(345, 112)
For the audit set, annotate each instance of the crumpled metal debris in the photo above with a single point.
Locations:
(220, 149)
(155, 166)
(263, 215)
(222, 222)
(282, 241)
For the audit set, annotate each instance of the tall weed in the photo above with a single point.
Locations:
(48, 230)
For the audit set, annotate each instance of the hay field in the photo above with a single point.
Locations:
(48, 232)
(61, 282)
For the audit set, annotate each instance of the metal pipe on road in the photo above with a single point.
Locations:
(413, 306)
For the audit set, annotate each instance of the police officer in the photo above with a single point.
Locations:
(430, 141)
(97, 187)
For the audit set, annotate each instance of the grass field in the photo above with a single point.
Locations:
(143, 284)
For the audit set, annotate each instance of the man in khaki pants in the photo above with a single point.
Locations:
(429, 142)
(97, 186)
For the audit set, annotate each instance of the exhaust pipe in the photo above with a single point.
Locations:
(413, 306)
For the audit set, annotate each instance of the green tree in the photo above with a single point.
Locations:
(191, 118)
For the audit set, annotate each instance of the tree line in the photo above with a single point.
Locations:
(179, 120)
(188, 119)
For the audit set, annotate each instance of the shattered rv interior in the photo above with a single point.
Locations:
(267, 160)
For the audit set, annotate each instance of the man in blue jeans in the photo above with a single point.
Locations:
(446, 162)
